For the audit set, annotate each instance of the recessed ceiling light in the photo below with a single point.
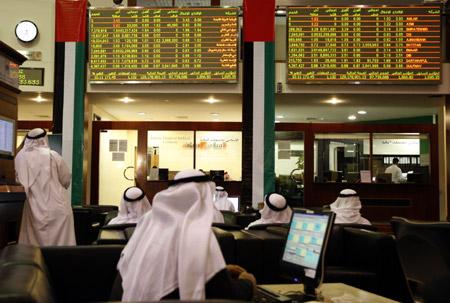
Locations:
(351, 117)
(277, 121)
(280, 117)
(141, 114)
(334, 101)
(214, 114)
(216, 120)
(362, 112)
(39, 99)
(126, 100)
(211, 100)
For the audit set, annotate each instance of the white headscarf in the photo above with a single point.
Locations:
(33, 160)
(275, 210)
(347, 207)
(133, 206)
(173, 246)
(221, 200)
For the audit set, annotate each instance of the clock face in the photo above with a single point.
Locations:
(26, 31)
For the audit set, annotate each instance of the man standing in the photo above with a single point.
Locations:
(47, 217)
(395, 171)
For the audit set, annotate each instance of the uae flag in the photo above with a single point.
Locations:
(69, 87)
(258, 104)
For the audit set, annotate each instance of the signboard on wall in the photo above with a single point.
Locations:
(174, 45)
(364, 44)
(393, 147)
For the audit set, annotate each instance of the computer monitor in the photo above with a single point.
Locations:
(235, 201)
(303, 255)
(7, 137)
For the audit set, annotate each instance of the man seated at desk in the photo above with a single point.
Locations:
(395, 171)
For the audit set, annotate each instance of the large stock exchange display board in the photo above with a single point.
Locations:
(365, 44)
(163, 45)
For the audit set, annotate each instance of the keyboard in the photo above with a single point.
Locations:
(263, 295)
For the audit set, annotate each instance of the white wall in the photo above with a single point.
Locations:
(111, 180)
(42, 13)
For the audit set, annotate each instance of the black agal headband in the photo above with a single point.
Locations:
(273, 207)
(38, 136)
(142, 195)
(203, 178)
(347, 195)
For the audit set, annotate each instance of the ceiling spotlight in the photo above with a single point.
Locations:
(362, 112)
(351, 117)
(141, 114)
(334, 101)
(214, 114)
(216, 120)
(126, 100)
(280, 117)
(39, 99)
(277, 121)
(211, 100)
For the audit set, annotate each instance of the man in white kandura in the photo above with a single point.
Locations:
(221, 200)
(395, 171)
(47, 217)
(275, 210)
(133, 206)
(173, 253)
(347, 207)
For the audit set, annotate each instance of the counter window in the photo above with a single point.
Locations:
(168, 152)
(400, 157)
(219, 152)
(341, 158)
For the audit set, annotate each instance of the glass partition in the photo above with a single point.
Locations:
(168, 152)
(341, 158)
(289, 165)
(400, 157)
(219, 152)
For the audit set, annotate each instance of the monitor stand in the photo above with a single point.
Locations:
(308, 294)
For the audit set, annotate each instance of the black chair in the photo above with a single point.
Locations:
(424, 249)
(119, 226)
(267, 225)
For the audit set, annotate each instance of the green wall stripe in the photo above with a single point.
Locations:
(269, 118)
(78, 125)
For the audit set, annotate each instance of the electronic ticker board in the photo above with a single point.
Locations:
(175, 45)
(364, 44)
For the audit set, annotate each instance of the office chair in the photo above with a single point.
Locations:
(424, 249)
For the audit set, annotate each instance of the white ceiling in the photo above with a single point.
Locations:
(192, 107)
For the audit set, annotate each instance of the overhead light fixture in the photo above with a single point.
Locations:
(334, 101)
(126, 100)
(362, 112)
(280, 12)
(280, 117)
(141, 114)
(216, 120)
(277, 121)
(39, 99)
(214, 114)
(211, 100)
(351, 117)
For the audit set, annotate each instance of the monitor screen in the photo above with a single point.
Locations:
(7, 137)
(235, 201)
(306, 242)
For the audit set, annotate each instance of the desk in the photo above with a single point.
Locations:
(334, 293)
